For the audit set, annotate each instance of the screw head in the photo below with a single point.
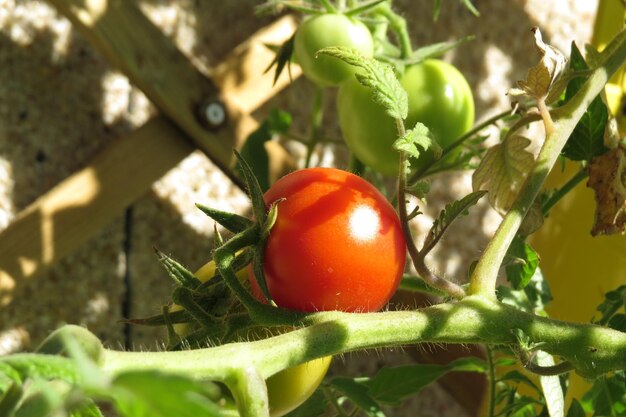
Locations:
(212, 114)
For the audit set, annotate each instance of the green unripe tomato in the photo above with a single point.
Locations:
(439, 97)
(326, 30)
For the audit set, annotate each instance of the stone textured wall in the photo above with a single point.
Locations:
(61, 103)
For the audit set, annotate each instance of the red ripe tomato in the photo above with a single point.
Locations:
(337, 243)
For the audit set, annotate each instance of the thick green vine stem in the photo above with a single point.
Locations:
(592, 350)
(565, 118)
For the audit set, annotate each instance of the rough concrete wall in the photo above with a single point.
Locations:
(61, 103)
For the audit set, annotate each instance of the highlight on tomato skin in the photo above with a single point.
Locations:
(337, 243)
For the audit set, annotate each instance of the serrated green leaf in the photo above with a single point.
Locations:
(451, 212)
(253, 150)
(533, 298)
(613, 301)
(524, 265)
(618, 322)
(315, 406)
(418, 137)
(587, 139)
(503, 170)
(551, 386)
(358, 393)
(379, 77)
(156, 394)
(393, 384)
(607, 396)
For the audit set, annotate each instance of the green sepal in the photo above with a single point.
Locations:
(230, 221)
(177, 272)
(254, 189)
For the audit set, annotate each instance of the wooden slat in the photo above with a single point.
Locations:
(92, 197)
(120, 31)
(65, 217)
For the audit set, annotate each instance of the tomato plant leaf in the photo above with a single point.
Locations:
(524, 263)
(519, 378)
(607, 396)
(230, 221)
(156, 394)
(613, 301)
(358, 393)
(541, 78)
(587, 139)
(421, 137)
(532, 298)
(253, 150)
(575, 409)
(392, 385)
(315, 406)
(377, 76)
(503, 170)
(618, 322)
(450, 213)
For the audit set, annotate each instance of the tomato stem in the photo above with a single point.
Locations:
(592, 349)
(398, 26)
(562, 192)
(417, 258)
(330, 8)
(566, 117)
(458, 142)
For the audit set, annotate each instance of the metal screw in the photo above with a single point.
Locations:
(212, 114)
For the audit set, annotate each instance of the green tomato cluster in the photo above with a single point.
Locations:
(439, 97)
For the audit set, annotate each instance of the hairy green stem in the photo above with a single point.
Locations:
(417, 258)
(398, 26)
(592, 350)
(483, 280)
